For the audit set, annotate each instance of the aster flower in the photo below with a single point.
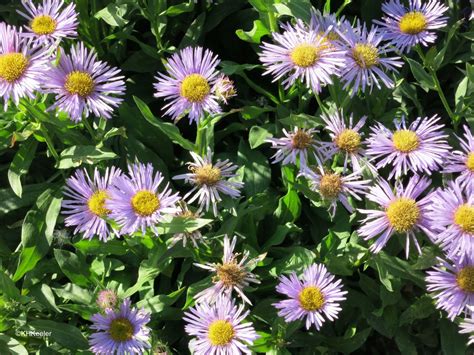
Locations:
(406, 27)
(48, 22)
(421, 147)
(467, 327)
(294, 146)
(314, 297)
(451, 212)
(463, 161)
(219, 329)
(107, 299)
(120, 332)
(452, 285)
(85, 202)
(194, 237)
(136, 201)
(231, 274)
(346, 139)
(84, 85)
(328, 26)
(209, 180)
(401, 212)
(365, 60)
(334, 187)
(188, 86)
(302, 53)
(22, 67)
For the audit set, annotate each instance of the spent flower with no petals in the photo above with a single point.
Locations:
(420, 147)
(406, 27)
(49, 22)
(122, 331)
(314, 297)
(85, 202)
(219, 328)
(401, 211)
(137, 201)
(82, 84)
(188, 86)
(231, 274)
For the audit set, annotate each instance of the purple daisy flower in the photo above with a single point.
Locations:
(218, 328)
(453, 286)
(420, 148)
(451, 212)
(334, 187)
(48, 23)
(22, 67)
(84, 85)
(189, 84)
(467, 327)
(346, 139)
(294, 146)
(365, 60)
(230, 275)
(329, 25)
(316, 295)
(209, 180)
(407, 27)
(302, 53)
(120, 332)
(401, 212)
(463, 161)
(85, 202)
(136, 201)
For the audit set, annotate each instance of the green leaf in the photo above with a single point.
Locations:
(257, 172)
(20, 164)
(113, 15)
(299, 9)
(255, 34)
(11, 346)
(194, 32)
(77, 155)
(179, 225)
(421, 76)
(169, 129)
(452, 343)
(64, 334)
(157, 303)
(72, 267)
(7, 287)
(422, 308)
(179, 9)
(279, 236)
(257, 136)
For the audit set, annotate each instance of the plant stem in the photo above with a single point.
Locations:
(49, 143)
(272, 22)
(89, 128)
(320, 103)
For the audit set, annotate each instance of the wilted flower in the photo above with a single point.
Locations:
(209, 179)
(218, 328)
(120, 332)
(136, 201)
(400, 212)
(84, 85)
(421, 147)
(452, 285)
(188, 86)
(194, 237)
(224, 88)
(463, 161)
(316, 295)
(85, 202)
(107, 299)
(407, 27)
(231, 274)
(22, 67)
(48, 22)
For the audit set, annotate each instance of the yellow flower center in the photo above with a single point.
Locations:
(470, 161)
(301, 140)
(43, 25)
(465, 279)
(365, 55)
(145, 203)
(195, 88)
(464, 218)
(413, 22)
(348, 140)
(230, 274)
(330, 186)
(402, 214)
(304, 55)
(221, 332)
(207, 175)
(79, 83)
(12, 66)
(96, 203)
(121, 329)
(311, 298)
(405, 141)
